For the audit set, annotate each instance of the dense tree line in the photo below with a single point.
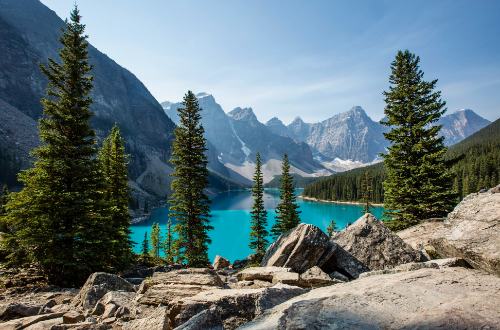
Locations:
(10, 165)
(475, 161)
(347, 186)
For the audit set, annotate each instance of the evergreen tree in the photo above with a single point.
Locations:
(155, 240)
(287, 213)
(4, 198)
(366, 186)
(145, 248)
(168, 245)
(113, 166)
(418, 183)
(189, 205)
(332, 227)
(57, 216)
(258, 234)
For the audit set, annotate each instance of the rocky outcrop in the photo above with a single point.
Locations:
(261, 273)
(315, 278)
(299, 249)
(451, 298)
(220, 263)
(156, 321)
(229, 307)
(307, 246)
(473, 232)
(96, 286)
(470, 232)
(162, 288)
(372, 243)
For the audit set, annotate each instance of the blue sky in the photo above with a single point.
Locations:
(291, 58)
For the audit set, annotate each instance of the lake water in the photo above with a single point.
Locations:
(231, 220)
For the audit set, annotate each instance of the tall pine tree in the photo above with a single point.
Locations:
(155, 240)
(113, 166)
(57, 216)
(258, 234)
(366, 186)
(189, 205)
(418, 183)
(287, 213)
(168, 247)
(145, 248)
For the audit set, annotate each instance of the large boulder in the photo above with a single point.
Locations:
(261, 273)
(117, 304)
(472, 232)
(220, 263)
(315, 278)
(17, 310)
(299, 249)
(430, 298)
(163, 288)
(228, 308)
(158, 320)
(96, 286)
(374, 245)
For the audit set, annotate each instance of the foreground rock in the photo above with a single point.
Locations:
(473, 232)
(450, 298)
(96, 286)
(227, 308)
(162, 288)
(372, 243)
(220, 263)
(300, 249)
(307, 246)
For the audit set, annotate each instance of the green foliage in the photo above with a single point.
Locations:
(189, 205)
(366, 187)
(258, 234)
(168, 247)
(332, 227)
(57, 219)
(287, 213)
(145, 248)
(418, 182)
(113, 166)
(475, 161)
(347, 186)
(155, 240)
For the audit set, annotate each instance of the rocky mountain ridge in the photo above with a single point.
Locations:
(238, 135)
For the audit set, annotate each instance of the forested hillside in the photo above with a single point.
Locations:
(475, 163)
(477, 159)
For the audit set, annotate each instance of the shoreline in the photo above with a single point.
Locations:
(312, 199)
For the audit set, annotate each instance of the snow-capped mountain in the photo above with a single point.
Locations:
(354, 137)
(237, 136)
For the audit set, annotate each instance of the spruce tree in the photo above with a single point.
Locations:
(367, 191)
(189, 205)
(418, 183)
(155, 240)
(258, 234)
(168, 247)
(113, 166)
(57, 216)
(4, 198)
(145, 248)
(287, 213)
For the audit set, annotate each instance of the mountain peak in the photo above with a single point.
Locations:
(274, 121)
(202, 94)
(297, 120)
(243, 114)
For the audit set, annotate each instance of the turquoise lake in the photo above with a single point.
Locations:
(231, 220)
